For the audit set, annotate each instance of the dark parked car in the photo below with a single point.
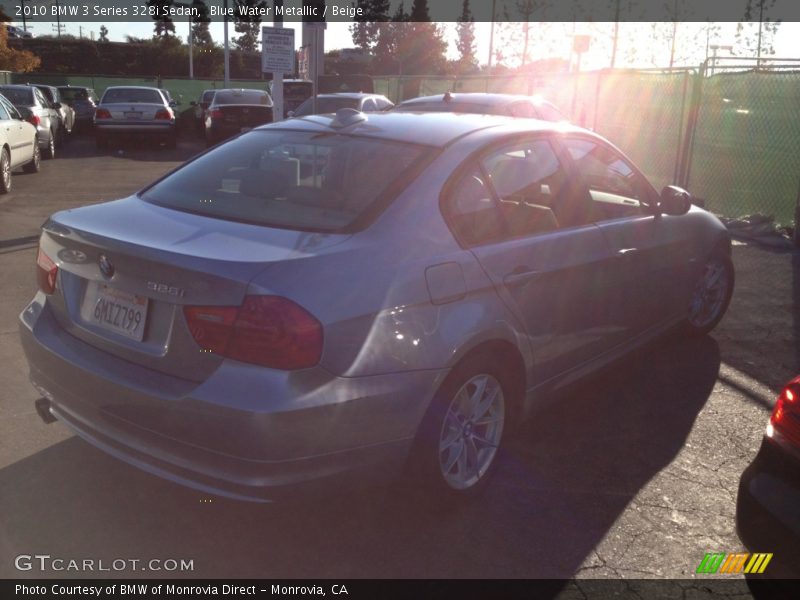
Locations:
(66, 113)
(200, 108)
(511, 105)
(134, 111)
(83, 100)
(336, 297)
(768, 506)
(233, 111)
(330, 103)
(43, 115)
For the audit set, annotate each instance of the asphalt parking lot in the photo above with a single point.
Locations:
(632, 474)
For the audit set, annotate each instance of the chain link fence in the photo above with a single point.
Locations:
(730, 134)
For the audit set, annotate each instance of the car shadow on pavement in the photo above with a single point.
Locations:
(564, 480)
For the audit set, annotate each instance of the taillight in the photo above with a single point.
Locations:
(163, 113)
(216, 114)
(34, 120)
(102, 113)
(785, 417)
(46, 272)
(265, 330)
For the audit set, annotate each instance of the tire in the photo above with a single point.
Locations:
(456, 449)
(50, 151)
(5, 172)
(711, 295)
(35, 164)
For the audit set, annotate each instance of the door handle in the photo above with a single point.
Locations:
(521, 275)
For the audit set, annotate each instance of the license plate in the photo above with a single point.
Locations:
(133, 115)
(115, 310)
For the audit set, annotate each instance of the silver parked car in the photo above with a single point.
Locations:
(345, 295)
(19, 145)
(39, 113)
(133, 110)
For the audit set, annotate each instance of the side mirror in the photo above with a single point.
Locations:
(674, 201)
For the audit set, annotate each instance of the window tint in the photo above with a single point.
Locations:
(40, 97)
(47, 93)
(369, 105)
(4, 116)
(133, 95)
(472, 212)
(242, 97)
(616, 190)
(521, 190)
(20, 96)
(289, 179)
(528, 180)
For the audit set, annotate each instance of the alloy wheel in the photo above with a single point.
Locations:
(710, 294)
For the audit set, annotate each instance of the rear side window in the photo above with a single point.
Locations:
(518, 190)
(207, 96)
(290, 179)
(18, 96)
(132, 95)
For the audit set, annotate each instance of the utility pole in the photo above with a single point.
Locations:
(491, 38)
(277, 77)
(227, 49)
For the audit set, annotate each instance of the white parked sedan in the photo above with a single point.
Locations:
(19, 143)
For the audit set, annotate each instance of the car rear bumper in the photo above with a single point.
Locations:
(151, 128)
(246, 432)
(768, 509)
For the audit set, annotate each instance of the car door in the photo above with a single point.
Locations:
(652, 251)
(518, 212)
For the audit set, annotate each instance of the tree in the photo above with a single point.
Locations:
(757, 38)
(20, 61)
(201, 36)
(367, 27)
(248, 25)
(465, 28)
(103, 34)
(421, 45)
(163, 27)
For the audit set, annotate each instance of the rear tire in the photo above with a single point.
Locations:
(711, 295)
(35, 165)
(50, 151)
(458, 443)
(5, 172)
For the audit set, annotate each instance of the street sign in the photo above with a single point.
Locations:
(277, 50)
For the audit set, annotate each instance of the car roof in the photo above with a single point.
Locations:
(476, 98)
(132, 87)
(16, 86)
(354, 95)
(430, 129)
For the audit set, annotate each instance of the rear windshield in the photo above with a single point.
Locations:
(132, 95)
(18, 96)
(207, 96)
(325, 105)
(290, 179)
(455, 107)
(242, 97)
(72, 94)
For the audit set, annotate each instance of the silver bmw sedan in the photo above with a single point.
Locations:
(336, 297)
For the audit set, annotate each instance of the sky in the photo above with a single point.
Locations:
(636, 47)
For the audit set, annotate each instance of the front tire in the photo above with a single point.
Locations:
(462, 432)
(711, 295)
(5, 172)
(35, 165)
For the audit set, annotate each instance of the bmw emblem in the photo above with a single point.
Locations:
(106, 266)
